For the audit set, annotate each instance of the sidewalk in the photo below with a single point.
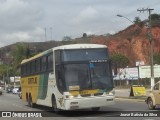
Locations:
(125, 94)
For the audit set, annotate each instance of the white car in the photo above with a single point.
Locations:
(0, 90)
(15, 90)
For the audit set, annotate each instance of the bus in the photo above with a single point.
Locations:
(69, 77)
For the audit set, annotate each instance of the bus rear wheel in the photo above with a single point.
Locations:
(30, 103)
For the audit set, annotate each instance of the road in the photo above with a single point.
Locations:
(11, 102)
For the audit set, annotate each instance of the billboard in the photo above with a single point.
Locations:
(145, 71)
(127, 73)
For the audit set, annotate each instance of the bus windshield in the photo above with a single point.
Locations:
(88, 76)
(84, 69)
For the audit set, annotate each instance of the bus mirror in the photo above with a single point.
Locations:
(91, 65)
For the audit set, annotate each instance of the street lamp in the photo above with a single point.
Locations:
(128, 20)
(124, 17)
(151, 45)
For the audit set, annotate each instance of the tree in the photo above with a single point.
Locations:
(3, 69)
(155, 17)
(119, 60)
(67, 38)
(84, 35)
(19, 54)
(137, 20)
(157, 58)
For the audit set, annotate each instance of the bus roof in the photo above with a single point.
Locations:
(63, 47)
(79, 46)
(36, 56)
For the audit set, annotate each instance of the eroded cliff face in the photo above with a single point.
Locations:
(132, 42)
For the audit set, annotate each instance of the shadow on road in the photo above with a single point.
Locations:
(49, 112)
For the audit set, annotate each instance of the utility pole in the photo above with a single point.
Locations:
(151, 43)
(51, 32)
(45, 34)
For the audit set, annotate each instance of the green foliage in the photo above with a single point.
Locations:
(67, 38)
(3, 69)
(137, 32)
(84, 34)
(155, 17)
(19, 54)
(137, 20)
(157, 58)
(119, 60)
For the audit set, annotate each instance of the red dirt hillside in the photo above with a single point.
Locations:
(132, 42)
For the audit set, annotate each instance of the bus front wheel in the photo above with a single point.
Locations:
(54, 105)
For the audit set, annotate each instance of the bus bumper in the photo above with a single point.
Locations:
(88, 102)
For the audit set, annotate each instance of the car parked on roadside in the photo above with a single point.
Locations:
(153, 99)
(15, 90)
(19, 93)
(9, 89)
(0, 90)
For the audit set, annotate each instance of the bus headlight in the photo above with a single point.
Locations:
(112, 92)
(67, 95)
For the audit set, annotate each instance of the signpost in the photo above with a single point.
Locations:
(137, 91)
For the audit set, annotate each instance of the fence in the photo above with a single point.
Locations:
(146, 82)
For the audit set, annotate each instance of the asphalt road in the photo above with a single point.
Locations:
(11, 102)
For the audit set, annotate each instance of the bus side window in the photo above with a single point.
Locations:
(32, 67)
(23, 70)
(28, 68)
(50, 62)
(44, 63)
(38, 65)
(57, 57)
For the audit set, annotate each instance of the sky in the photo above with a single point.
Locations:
(44, 20)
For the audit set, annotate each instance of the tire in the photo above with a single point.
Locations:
(150, 104)
(30, 103)
(95, 108)
(54, 105)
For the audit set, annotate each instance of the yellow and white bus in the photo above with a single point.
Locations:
(69, 77)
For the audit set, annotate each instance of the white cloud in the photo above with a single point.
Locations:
(86, 15)
(17, 15)
(34, 35)
(25, 20)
